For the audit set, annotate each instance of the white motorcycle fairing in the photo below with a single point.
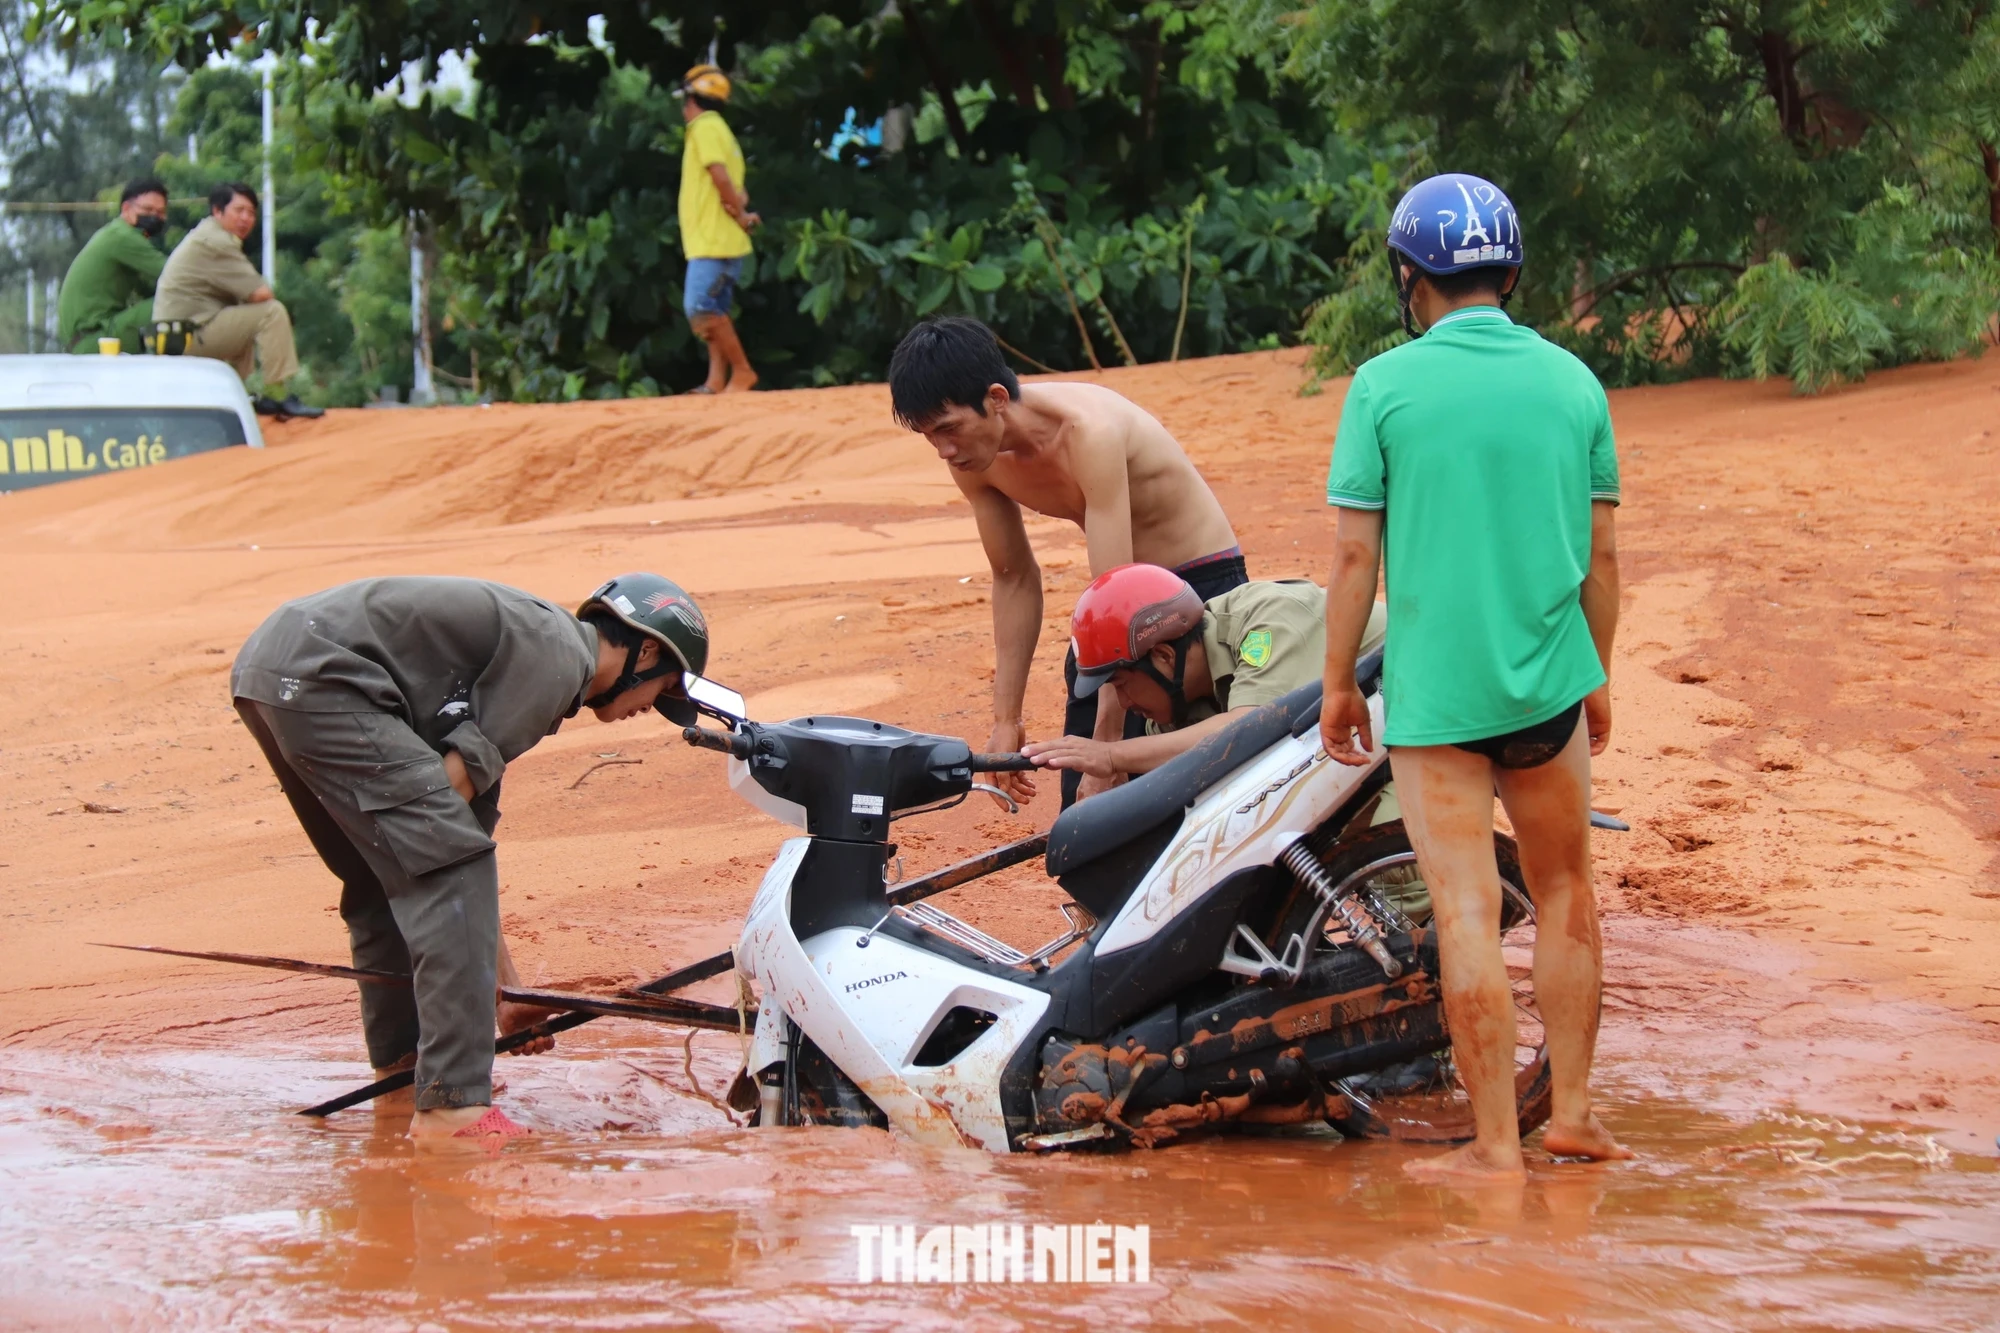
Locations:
(1246, 821)
(870, 1002)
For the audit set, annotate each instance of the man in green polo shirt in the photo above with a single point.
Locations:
(1486, 455)
(1188, 667)
(108, 291)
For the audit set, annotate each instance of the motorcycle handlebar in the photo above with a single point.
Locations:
(1002, 763)
(739, 746)
(721, 742)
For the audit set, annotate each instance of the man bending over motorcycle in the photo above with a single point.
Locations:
(389, 709)
(1074, 451)
(1142, 634)
(1485, 455)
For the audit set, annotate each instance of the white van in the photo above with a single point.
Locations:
(63, 417)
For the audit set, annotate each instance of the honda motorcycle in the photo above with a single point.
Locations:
(1248, 943)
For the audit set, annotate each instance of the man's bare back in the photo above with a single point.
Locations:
(1072, 441)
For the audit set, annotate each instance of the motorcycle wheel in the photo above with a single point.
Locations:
(816, 1092)
(1424, 1102)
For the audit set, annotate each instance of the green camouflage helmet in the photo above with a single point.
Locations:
(661, 610)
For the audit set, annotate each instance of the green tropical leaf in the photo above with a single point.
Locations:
(935, 294)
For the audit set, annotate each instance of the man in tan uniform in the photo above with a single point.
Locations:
(1188, 667)
(210, 283)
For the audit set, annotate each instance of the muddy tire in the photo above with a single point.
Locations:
(821, 1095)
(1423, 1102)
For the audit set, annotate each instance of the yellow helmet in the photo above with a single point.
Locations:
(708, 81)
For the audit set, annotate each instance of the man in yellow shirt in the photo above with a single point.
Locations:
(715, 223)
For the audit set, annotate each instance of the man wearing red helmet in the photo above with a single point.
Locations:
(1074, 451)
(1142, 634)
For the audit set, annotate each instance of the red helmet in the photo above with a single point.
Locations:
(1123, 615)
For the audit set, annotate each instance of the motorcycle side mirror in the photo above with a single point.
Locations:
(717, 700)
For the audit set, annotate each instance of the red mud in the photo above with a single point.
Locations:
(1801, 924)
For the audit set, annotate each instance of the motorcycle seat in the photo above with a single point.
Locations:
(1110, 820)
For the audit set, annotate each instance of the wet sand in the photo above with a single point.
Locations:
(1801, 924)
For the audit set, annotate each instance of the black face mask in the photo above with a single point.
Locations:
(151, 224)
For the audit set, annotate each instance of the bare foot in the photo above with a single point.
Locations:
(1590, 1139)
(1472, 1164)
(742, 382)
(465, 1124)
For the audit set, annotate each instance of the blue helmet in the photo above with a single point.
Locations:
(1454, 222)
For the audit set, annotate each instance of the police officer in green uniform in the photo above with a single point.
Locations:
(1186, 666)
(389, 709)
(108, 291)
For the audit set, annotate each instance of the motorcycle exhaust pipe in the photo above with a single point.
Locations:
(1305, 868)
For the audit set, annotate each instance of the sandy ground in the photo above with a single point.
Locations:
(1807, 741)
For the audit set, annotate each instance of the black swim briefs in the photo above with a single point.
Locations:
(1530, 747)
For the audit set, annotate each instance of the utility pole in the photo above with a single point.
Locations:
(270, 218)
(421, 389)
(30, 312)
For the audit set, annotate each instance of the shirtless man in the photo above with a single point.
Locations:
(1074, 451)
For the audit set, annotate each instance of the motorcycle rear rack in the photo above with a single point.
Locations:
(947, 927)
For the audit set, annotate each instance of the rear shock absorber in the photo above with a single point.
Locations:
(1305, 867)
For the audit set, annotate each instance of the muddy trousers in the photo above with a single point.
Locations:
(420, 890)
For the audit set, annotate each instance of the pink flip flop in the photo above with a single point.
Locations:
(494, 1125)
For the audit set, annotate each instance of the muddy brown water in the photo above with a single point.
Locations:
(140, 1189)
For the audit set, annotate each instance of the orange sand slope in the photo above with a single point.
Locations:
(1807, 741)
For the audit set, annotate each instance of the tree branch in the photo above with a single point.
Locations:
(1056, 82)
(941, 83)
(1000, 34)
(1604, 289)
(1991, 157)
(1148, 50)
(21, 86)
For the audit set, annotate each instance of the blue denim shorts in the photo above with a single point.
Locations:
(711, 286)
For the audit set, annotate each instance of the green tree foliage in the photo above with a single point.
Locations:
(1761, 186)
(551, 194)
(79, 122)
(1798, 187)
(343, 271)
(73, 128)
(1908, 295)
